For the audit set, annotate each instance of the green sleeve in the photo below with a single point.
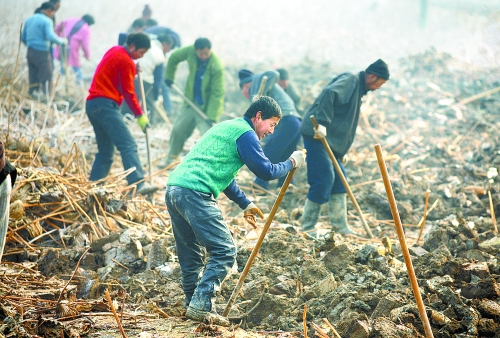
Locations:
(215, 103)
(173, 61)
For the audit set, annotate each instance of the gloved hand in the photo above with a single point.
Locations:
(345, 159)
(169, 82)
(64, 41)
(249, 213)
(299, 157)
(320, 132)
(143, 122)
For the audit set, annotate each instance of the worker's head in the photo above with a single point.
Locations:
(138, 44)
(166, 41)
(265, 114)
(146, 13)
(203, 47)
(89, 19)
(376, 75)
(138, 25)
(48, 9)
(283, 79)
(246, 78)
(56, 3)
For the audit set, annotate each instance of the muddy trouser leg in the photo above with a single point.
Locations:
(154, 116)
(5, 190)
(111, 131)
(337, 205)
(167, 102)
(197, 222)
(181, 130)
(39, 70)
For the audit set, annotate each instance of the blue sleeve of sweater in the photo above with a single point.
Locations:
(235, 194)
(253, 157)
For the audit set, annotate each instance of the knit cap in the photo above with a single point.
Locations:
(245, 76)
(379, 68)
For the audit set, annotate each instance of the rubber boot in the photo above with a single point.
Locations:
(310, 216)
(337, 210)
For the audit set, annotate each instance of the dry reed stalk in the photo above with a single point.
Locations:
(424, 217)
(158, 215)
(492, 209)
(110, 302)
(319, 332)
(331, 328)
(304, 320)
(73, 275)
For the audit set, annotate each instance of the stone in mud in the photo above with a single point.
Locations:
(358, 329)
(386, 304)
(466, 272)
(339, 258)
(320, 288)
(385, 328)
(270, 308)
(486, 288)
(158, 254)
(97, 245)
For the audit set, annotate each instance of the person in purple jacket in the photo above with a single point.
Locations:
(77, 31)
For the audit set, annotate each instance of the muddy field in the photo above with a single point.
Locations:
(70, 241)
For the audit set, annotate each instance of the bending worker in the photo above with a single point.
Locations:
(197, 220)
(284, 141)
(204, 87)
(113, 82)
(337, 112)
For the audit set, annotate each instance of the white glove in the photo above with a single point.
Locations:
(299, 157)
(64, 41)
(320, 132)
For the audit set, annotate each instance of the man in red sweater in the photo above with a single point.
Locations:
(113, 82)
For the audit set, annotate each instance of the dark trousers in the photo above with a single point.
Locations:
(321, 176)
(110, 132)
(39, 70)
(198, 224)
(280, 145)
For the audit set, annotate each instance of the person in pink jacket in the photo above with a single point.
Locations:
(77, 30)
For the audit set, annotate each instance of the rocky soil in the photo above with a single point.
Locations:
(69, 240)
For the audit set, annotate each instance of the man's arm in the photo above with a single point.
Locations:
(215, 101)
(51, 35)
(292, 91)
(158, 79)
(253, 157)
(272, 79)
(174, 60)
(235, 194)
(127, 74)
(86, 43)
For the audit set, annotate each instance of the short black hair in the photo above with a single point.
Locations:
(202, 43)
(164, 38)
(139, 40)
(47, 5)
(265, 104)
(89, 19)
(138, 23)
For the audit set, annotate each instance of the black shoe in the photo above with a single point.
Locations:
(146, 189)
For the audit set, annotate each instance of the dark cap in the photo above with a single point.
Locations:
(379, 68)
(245, 76)
(146, 11)
(283, 73)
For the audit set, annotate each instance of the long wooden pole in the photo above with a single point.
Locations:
(255, 250)
(144, 111)
(402, 242)
(344, 181)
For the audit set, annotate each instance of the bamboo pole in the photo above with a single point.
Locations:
(120, 327)
(402, 241)
(344, 181)
(255, 250)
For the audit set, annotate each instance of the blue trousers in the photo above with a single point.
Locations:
(280, 145)
(321, 176)
(110, 132)
(197, 223)
(167, 102)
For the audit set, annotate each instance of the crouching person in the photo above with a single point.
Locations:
(193, 187)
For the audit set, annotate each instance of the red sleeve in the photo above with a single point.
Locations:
(128, 92)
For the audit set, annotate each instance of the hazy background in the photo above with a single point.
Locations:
(347, 34)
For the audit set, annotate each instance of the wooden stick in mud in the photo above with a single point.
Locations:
(402, 242)
(424, 217)
(344, 181)
(108, 297)
(255, 250)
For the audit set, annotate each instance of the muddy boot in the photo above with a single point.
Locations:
(170, 160)
(212, 318)
(337, 209)
(146, 188)
(310, 216)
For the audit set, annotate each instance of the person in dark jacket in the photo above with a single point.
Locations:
(8, 176)
(289, 87)
(337, 112)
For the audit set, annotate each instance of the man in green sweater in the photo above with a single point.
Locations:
(204, 87)
(193, 187)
